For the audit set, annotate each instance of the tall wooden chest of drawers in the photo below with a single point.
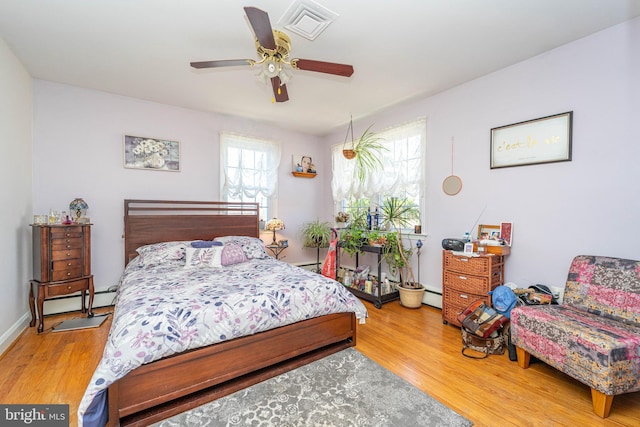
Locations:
(61, 266)
(467, 279)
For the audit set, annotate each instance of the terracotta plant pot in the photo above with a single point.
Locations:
(411, 298)
(349, 154)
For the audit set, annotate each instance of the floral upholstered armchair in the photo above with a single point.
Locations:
(594, 336)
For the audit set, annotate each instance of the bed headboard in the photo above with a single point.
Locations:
(153, 221)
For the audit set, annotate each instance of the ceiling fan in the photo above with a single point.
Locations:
(273, 48)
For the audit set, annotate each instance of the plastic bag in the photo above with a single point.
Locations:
(329, 266)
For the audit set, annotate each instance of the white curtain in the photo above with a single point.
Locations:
(401, 173)
(249, 166)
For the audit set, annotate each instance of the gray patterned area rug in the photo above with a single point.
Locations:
(344, 389)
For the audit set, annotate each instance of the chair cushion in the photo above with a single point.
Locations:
(608, 287)
(598, 351)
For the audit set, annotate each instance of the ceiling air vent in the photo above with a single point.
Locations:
(307, 18)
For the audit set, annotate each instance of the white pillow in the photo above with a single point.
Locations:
(159, 253)
(204, 257)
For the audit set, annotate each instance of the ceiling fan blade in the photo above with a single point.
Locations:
(223, 63)
(279, 92)
(261, 25)
(323, 67)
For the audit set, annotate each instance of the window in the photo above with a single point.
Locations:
(249, 171)
(401, 175)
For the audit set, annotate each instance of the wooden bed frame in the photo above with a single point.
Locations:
(172, 385)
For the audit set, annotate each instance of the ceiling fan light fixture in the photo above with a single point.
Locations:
(273, 48)
(271, 67)
(284, 77)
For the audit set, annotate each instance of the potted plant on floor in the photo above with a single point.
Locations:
(317, 235)
(398, 213)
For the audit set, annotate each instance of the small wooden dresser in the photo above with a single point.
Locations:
(61, 266)
(467, 279)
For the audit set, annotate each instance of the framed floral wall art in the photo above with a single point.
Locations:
(151, 153)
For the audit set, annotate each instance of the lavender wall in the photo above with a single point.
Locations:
(586, 206)
(78, 152)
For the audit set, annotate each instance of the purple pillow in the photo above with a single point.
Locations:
(233, 254)
(205, 244)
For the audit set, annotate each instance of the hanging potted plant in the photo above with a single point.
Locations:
(398, 213)
(347, 147)
(365, 151)
(367, 154)
(317, 235)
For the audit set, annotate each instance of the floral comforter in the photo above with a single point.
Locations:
(165, 309)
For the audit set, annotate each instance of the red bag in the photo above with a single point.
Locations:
(329, 267)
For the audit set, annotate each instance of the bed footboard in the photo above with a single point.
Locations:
(173, 385)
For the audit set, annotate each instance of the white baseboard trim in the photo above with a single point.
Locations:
(432, 297)
(72, 303)
(14, 331)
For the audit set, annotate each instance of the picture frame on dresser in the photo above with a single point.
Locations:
(488, 232)
(506, 232)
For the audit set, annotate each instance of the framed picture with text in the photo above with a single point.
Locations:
(543, 140)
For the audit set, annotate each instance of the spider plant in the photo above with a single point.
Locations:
(367, 154)
(317, 235)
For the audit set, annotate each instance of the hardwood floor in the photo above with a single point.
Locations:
(414, 344)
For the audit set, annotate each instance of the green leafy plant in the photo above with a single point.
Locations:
(316, 234)
(367, 151)
(352, 239)
(398, 213)
(359, 219)
(376, 237)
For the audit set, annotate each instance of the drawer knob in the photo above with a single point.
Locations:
(463, 296)
(69, 287)
(68, 246)
(68, 234)
(68, 264)
(68, 253)
(462, 277)
(69, 274)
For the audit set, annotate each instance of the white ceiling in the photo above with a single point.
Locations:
(400, 49)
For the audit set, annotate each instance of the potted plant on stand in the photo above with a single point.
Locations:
(398, 213)
(317, 235)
